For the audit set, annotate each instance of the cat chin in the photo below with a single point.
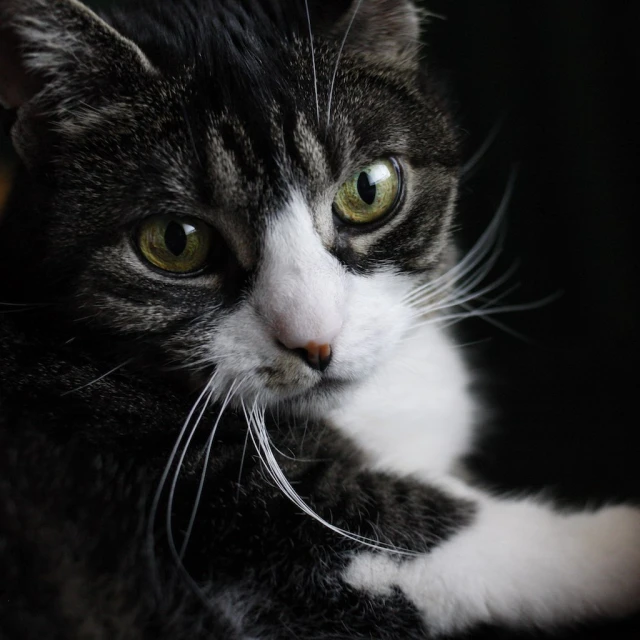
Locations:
(326, 396)
(308, 402)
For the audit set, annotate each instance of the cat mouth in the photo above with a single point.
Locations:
(332, 385)
(302, 387)
(327, 391)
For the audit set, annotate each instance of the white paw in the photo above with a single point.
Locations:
(519, 563)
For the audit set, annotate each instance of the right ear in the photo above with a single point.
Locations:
(60, 46)
(382, 30)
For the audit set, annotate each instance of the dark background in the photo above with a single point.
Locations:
(561, 77)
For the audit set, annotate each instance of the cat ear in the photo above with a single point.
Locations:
(52, 44)
(388, 30)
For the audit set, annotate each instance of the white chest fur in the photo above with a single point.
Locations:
(415, 414)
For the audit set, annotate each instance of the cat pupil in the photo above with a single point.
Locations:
(175, 238)
(366, 190)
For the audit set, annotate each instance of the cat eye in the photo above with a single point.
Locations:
(370, 194)
(177, 245)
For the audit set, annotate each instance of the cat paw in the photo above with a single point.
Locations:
(520, 563)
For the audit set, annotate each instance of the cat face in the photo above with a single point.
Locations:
(241, 198)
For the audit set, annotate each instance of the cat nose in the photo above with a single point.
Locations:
(317, 356)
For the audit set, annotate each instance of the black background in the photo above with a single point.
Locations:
(560, 79)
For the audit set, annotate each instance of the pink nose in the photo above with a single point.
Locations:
(317, 356)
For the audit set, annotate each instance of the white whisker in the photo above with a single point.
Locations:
(26, 304)
(196, 364)
(163, 479)
(244, 453)
(205, 465)
(335, 70)
(313, 60)
(262, 443)
(102, 377)
(176, 475)
(438, 319)
(489, 241)
(505, 328)
(486, 311)
(470, 165)
(463, 296)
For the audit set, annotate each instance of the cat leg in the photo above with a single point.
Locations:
(519, 563)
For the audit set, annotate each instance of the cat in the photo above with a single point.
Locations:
(229, 404)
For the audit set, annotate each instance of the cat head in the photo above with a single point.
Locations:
(251, 188)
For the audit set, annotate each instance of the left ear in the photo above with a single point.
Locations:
(387, 30)
(61, 67)
(58, 44)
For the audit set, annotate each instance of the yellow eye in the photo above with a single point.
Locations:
(177, 245)
(369, 194)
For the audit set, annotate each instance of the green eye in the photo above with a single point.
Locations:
(369, 194)
(177, 245)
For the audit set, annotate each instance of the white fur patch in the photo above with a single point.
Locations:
(303, 293)
(415, 414)
(519, 564)
(301, 289)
